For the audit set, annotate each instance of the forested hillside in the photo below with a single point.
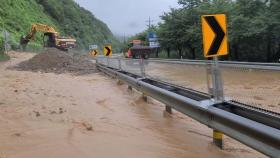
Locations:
(65, 15)
(253, 29)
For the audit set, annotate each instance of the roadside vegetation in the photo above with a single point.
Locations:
(3, 56)
(253, 29)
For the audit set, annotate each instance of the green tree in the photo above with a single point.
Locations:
(253, 28)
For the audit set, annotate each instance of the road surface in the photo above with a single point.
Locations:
(48, 115)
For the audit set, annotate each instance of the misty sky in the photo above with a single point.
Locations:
(128, 16)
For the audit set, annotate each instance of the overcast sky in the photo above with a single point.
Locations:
(128, 16)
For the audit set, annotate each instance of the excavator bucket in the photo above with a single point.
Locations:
(23, 41)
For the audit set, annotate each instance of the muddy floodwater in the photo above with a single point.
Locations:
(61, 115)
(259, 88)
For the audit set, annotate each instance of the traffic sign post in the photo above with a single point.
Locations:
(217, 82)
(215, 44)
(142, 67)
(217, 92)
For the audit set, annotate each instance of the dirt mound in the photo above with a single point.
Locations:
(53, 60)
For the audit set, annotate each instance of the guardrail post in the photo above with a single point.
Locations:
(107, 61)
(168, 109)
(208, 78)
(145, 98)
(218, 138)
(120, 64)
(119, 82)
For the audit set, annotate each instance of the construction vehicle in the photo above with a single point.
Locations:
(51, 38)
(138, 51)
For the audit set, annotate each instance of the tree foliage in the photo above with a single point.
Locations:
(253, 28)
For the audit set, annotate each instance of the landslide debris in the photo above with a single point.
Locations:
(56, 61)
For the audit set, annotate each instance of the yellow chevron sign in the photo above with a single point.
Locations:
(107, 50)
(94, 53)
(215, 40)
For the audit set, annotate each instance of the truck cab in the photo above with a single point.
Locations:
(138, 51)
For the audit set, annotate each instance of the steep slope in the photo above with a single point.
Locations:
(78, 22)
(18, 15)
(65, 15)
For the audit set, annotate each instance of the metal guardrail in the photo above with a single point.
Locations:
(243, 82)
(249, 65)
(230, 64)
(257, 128)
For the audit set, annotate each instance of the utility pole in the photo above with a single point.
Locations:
(124, 38)
(149, 27)
(150, 22)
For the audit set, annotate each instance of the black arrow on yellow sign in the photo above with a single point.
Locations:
(108, 51)
(95, 52)
(219, 35)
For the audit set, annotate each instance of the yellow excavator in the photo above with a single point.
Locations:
(51, 38)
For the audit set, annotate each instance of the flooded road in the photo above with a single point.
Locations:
(48, 115)
(259, 88)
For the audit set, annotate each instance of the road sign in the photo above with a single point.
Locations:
(215, 40)
(107, 50)
(93, 47)
(94, 53)
(153, 40)
(154, 44)
(152, 35)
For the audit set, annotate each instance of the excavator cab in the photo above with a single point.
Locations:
(49, 39)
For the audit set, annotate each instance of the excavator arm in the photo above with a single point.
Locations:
(35, 28)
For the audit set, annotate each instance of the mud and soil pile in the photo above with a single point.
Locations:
(56, 61)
